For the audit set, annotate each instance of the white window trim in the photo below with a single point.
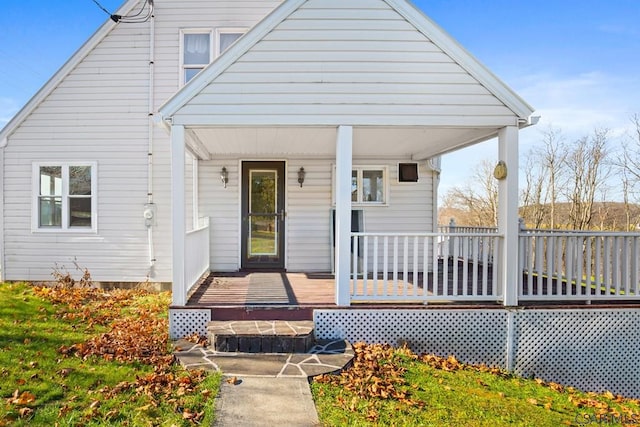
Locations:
(212, 49)
(360, 168)
(227, 30)
(35, 196)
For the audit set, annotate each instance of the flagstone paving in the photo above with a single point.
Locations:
(324, 357)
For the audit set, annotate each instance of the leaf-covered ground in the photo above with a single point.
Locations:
(394, 387)
(88, 357)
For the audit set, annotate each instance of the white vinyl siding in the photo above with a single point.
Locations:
(100, 110)
(222, 205)
(334, 62)
(308, 220)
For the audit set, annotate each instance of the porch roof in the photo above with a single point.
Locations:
(418, 143)
(378, 65)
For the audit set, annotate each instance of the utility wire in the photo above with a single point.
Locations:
(130, 19)
(102, 7)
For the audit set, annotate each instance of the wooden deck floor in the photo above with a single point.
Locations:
(265, 289)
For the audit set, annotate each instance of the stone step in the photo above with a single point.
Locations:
(261, 336)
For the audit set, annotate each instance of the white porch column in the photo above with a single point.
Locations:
(178, 220)
(344, 153)
(508, 215)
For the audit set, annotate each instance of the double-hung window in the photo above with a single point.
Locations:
(196, 52)
(225, 37)
(64, 196)
(199, 48)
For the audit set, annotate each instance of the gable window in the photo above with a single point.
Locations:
(199, 48)
(64, 196)
(196, 53)
(225, 37)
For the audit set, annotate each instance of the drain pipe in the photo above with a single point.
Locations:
(150, 208)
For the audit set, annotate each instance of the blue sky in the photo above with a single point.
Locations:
(576, 62)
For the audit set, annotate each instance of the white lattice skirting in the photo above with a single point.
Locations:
(185, 322)
(591, 349)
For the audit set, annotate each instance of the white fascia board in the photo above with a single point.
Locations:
(231, 55)
(62, 72)
(463, 57)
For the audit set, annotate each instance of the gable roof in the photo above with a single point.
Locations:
(407, 11)
(63, 71)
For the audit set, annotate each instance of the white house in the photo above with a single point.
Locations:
(215, 109)
(188, 136)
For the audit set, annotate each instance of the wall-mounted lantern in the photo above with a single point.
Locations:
(224, 176)
(301, 175)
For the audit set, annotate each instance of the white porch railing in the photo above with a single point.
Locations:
(555, 265)
(579, 265)
(196, 261)
(422, 267)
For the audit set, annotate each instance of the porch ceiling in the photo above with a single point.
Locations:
(419, 143)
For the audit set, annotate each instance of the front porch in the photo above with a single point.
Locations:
(456, 265)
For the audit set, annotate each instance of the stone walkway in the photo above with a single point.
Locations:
(323, 357)
(266, 389)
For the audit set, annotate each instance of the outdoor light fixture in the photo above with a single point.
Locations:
(301, 174)
(224, 176)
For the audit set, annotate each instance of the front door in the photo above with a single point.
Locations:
(263, 215)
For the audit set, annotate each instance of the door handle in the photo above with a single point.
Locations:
(282, 214)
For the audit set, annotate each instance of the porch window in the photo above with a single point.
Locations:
(369, 185)
(64, 197)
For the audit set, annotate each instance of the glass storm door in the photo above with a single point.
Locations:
(263, 215)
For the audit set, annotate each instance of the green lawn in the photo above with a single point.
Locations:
(90, 358)
(393, 387)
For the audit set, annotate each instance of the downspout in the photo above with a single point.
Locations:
(150, 211)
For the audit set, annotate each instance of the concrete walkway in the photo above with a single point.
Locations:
(266, 401)
(270, 389)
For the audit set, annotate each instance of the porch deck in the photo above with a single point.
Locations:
(304, 292)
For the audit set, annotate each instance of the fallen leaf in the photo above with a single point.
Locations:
(21, 399)
(25, 412)
(65, 372)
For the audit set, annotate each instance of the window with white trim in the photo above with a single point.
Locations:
(225, 37)
(369, 185)
(64, 196)
(197, 48)
(196, 52)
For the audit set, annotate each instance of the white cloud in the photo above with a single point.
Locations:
(578, 104)
(619, 30)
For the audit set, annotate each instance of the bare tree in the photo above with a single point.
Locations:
(477, 198)
(545, 179)
(627, 164)
(587, 167)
